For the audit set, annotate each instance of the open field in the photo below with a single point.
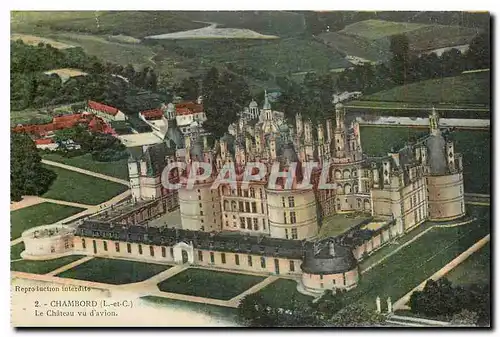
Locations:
(282, 293)
(472, 88)
(107, 48)
(133, 23)
(376, 29)
(113, 271)
(422, 37)
(37, 215)
(275, 56)
(81, 188)
(212, 32)
(209, 283)
(42, 267)
(35, 40)
(116, 169)
(474, 270)
(357, 46)
(280, 23)
(404, 270)
(474, 145)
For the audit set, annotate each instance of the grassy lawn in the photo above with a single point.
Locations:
(282, 292)
(225, 313)
(77, 187)
(413, 264)
(41, 214)
(113, 271)
(388, 248)
(209, 283)
(335, 225)
(473, 144)
(474, 270)
(376, 29)
(472, 88)
(16, 250)
(116, 169)
(42, 267)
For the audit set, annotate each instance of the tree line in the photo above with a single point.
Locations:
(32, 88)
(331, 310)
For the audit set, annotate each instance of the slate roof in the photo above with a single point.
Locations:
(222, 241)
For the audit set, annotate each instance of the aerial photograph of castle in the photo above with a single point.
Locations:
(250, 169)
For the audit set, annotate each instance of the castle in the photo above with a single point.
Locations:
(278, 229)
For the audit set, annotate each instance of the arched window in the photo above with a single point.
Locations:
(367, 204)
(347, 188)
(359, 202)
(252, 192)
(347, 174)
(338, 174)
(233, 206)
(354, 172)
(226, 205)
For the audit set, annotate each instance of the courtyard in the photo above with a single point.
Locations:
(209, 283)
(42, 267)
(113, 271)
(338, 224)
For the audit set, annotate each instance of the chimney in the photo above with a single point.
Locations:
(332, 248)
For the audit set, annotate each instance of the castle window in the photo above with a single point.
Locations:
(249, 223)
(151, 251)
(254, 207)
(223, 257)
(129, 248)
(294, 234)
(263, 223)
(105, 244)
(320, 277)
(261, 191)
(252, 192)
(284, 217)
(237, 259)
(241, 206)
(255, 224)
(245, 193)
(171, 252)
(201, 206)
(291, 201)
(283, 201)
(292, 266)
(200, 256)
(242, 223)
(249, 259)
(163, 252)
(83, 244)
(262, 262)
(286, 233)
(140, 249)
(117, 247)
(212, 257)
(247, 207)
(292, 217)
(262, 208)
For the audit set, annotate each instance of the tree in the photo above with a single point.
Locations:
(479, 55)
(27, 175)
(356, 315)
(224, 96)
(399, 64)
(188, 89)
(464, 318)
